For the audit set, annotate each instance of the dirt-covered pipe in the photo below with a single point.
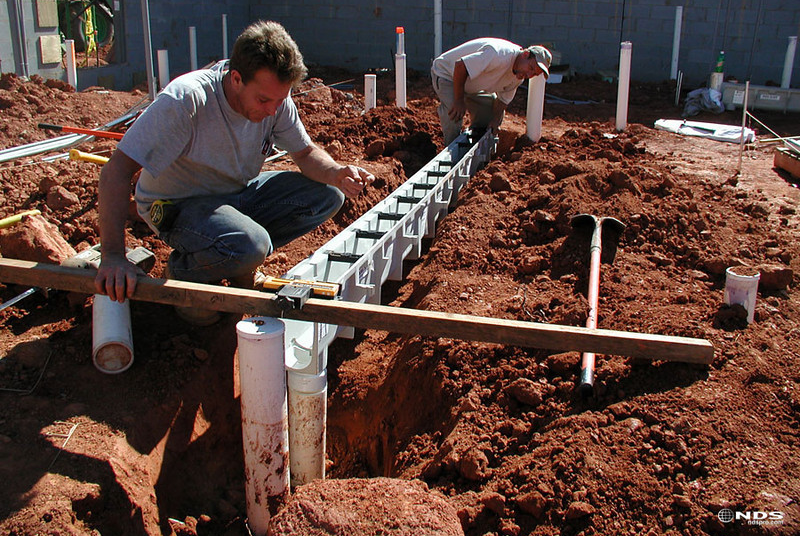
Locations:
(308, 409)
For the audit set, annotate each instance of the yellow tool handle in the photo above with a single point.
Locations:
(75, 154)
(16, 218)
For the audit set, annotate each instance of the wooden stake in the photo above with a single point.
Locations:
(367, 316)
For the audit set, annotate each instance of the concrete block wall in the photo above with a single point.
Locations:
(11, 58)
(360, 34)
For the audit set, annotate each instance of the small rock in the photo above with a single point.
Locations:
(774, 277)
(375, 149)
(532, 503)
(499, 183)
(473, 465)
(578, 509)
(526, 391)
(59, 198)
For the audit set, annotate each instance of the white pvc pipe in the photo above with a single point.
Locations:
(148, 50)
(192, 48)
(788, 63)
(437, 28)
(535, 107)
(72, 65)
(400, 68)
(112, 339)
(370, 83)
(623, 87)
(224, 36)
(163, 68)
(265, 422)
(744, 122)
(308, 410)
(676, 42)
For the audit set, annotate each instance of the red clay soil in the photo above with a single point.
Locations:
(499, 432)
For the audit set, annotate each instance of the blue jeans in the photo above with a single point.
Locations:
(480, 106)
(229, 236)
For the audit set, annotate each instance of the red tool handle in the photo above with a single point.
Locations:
(90, 132)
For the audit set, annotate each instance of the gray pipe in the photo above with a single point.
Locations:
(23, 48)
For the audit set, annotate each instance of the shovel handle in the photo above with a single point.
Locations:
(87, 131)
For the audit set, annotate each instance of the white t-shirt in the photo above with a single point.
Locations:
(190, 141)
(489, 62)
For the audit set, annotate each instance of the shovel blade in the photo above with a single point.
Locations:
(612, 230)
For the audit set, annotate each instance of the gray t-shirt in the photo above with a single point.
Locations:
(489, 62)
(190, 141)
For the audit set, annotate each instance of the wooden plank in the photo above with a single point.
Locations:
(368, 316)
(787, 160)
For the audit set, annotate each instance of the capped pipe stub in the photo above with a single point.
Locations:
(260, 327)
(399, 30)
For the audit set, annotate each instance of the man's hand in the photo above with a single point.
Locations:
(458, 110)
(116, 277)
(352, 180)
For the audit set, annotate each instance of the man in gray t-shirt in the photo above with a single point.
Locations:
(482, 76)
(200, 147)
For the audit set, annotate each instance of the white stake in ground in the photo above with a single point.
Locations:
(72, 71)
(163, 68)
(192, 48)
(265, 422)
(224, 36)
(535, 109)
(623, 84)
(370, 81)
(788, 62)
(400, 68)
(676, 42)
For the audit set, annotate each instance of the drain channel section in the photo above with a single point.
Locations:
(372, 249)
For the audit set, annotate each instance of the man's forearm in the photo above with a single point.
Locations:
(113, 200)
(316, 164)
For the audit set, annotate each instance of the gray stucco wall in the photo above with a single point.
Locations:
(11, 58)
(359, 34)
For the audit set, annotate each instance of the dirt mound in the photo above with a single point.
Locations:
(499, 431)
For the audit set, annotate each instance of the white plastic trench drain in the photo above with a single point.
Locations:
(360, 259)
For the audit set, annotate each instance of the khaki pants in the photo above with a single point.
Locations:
(480, 107)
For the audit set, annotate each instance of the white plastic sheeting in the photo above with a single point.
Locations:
(712, 131)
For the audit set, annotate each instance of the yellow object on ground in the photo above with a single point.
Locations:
(75, 154)
(12, 220)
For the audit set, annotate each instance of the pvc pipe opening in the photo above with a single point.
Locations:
(308, 412)
(112, 339)
(370, 83)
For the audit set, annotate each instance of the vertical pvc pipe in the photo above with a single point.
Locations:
(192, 48)
(400, 68)
(308, 411)
(535, 107)
(370, 83)
(788, 62)
(437, 28)
(163, 68)
(148, 50)
(676, 42)
(112, 338)
(623, 80)
(224, 36)
(744, 121)
(265, 422)
(72, 65)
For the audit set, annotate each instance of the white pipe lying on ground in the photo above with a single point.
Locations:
(72, 66)
(265, 421)
(370, 81)
(400, 68)
(308, 412)
(676, 42)
(192, 48)
(623, 84)
(788, 62)
(535, 109)
(163, 68)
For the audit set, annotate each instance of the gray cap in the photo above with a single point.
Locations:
(543, 58)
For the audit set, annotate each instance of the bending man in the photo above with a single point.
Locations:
(481, 76)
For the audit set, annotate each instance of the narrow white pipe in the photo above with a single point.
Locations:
(148, 50)
(400, 68)
(72, 65)
(23, 38)
(535, 110)
(192, 48)
(370, 83)
(112, 339)
(437, 28)
(265, 422)
(163, 68)
(623, 87)
(788, 63)
(308, 410)
(224, 36)
(676, 42)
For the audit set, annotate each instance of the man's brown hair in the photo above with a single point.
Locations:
(268, 44)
